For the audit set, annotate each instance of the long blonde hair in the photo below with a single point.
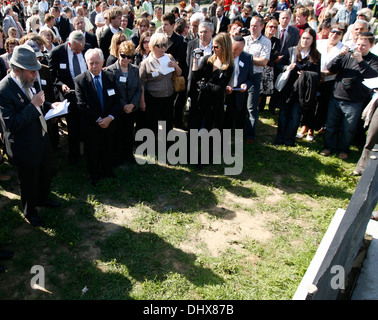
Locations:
(224, 41)
(117, 38)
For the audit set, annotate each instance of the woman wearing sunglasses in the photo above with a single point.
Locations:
(213, 75)
(328, 49)
(268, 76)
(299, 92)
(130, 88)
(159, 92)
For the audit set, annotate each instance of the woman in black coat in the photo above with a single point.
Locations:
(304, 58)
(214, 74)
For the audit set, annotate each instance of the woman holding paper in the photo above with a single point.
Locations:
(156, 74)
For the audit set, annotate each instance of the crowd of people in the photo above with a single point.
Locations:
(109, 60)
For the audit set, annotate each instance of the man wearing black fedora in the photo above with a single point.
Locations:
(27, 143)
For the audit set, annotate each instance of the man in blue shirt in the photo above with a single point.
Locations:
(347, 14)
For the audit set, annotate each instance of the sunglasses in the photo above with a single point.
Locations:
(124, 56)
(273, 27)
(339, 33)
(162, 45)
(216, 47)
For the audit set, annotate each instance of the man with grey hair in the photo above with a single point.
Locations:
(9, 21)
(202, 44)
(98, 100)
(358, 27)
(66, 62)
(22, 121)
(195, 20)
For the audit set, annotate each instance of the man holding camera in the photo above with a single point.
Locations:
(349, 94)
(198, 47)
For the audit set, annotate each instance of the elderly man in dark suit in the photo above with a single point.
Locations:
(288, 35)
(27, 143)
(66, 62)
(236, 91)
(99, 102)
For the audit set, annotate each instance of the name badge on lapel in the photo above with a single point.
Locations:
(111, 92)
(62, 66)
(43, 82)
(122, 79)
(241, 63)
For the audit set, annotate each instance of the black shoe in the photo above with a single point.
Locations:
(35, 220)
(49, 203)
(5, 254)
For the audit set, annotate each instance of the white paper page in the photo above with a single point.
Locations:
(60, 110)
(164, 60)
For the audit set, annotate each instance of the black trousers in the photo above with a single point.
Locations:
(159, 109)
(98, 145)
(73, 128)
(123, 149)
(35, 181)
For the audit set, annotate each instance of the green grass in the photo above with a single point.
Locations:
(141, 235)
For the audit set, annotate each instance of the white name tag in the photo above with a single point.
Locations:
(155, 74)
(122, 79)
(62, 66)
(43, 82)
(33, 90)
(111, 92)
(241, 63)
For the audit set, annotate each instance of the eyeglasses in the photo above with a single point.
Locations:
(215, 47)
(273, 27)
(162, 45)
(339, 33)
(124, 56)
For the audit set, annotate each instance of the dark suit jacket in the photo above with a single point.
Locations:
(177, 48)
(130, 91)
(58, 58)
(64, 27)
(245, 76)
(20, 124)
(291, 39)
(193, 44)
(224, 24)
(89, 103)
(47, 85)
(91, 39)
(105, 41)
(246, 24)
